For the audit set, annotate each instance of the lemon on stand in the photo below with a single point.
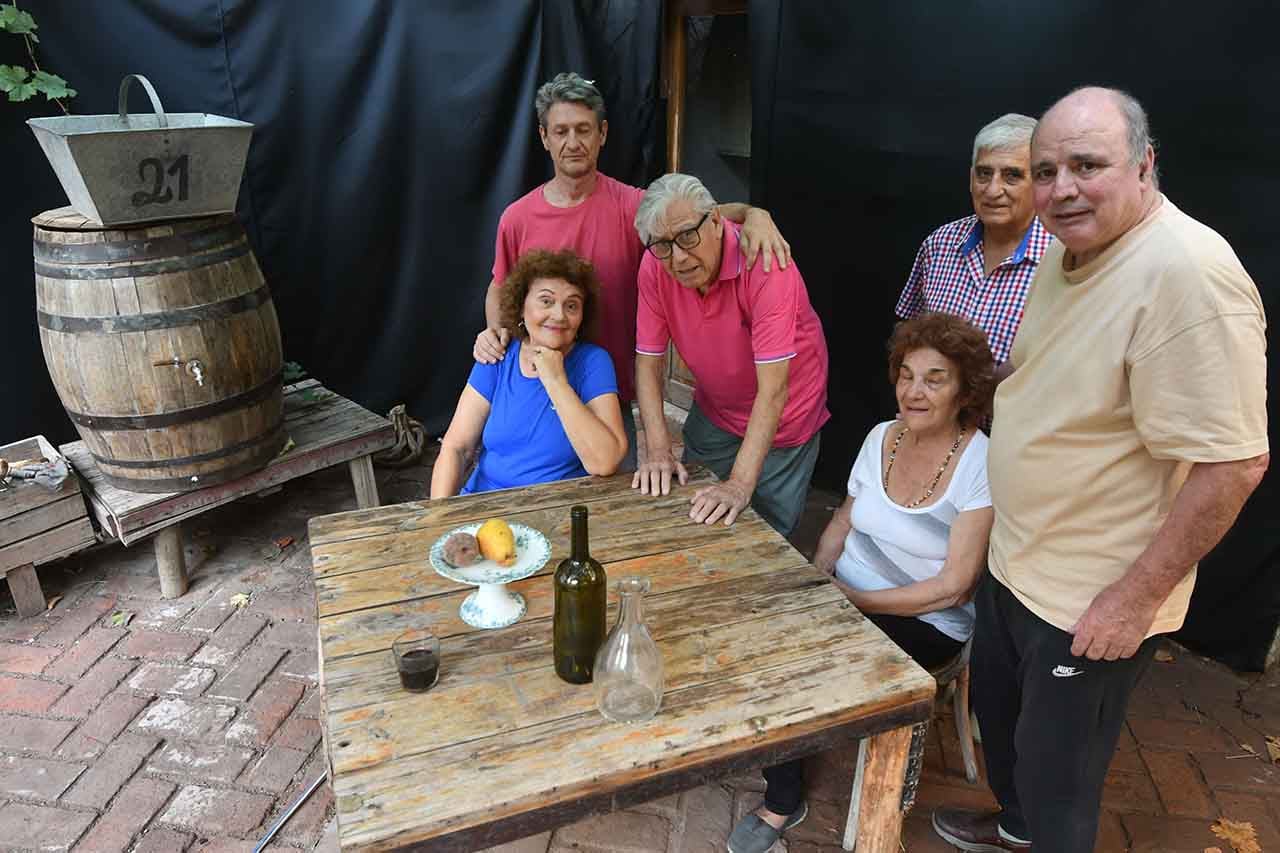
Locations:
(497, 542)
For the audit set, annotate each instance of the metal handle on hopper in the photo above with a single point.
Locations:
(151, 93)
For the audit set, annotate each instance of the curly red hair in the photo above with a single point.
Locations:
(540, 263)
(961, 342)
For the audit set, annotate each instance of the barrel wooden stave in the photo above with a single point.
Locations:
(208, 303)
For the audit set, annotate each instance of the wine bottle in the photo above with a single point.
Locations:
(578, 626)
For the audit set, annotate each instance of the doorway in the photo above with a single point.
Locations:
(707, 78)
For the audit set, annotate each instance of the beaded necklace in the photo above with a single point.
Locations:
(893, 454)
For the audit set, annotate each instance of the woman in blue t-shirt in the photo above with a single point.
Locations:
(549, 409)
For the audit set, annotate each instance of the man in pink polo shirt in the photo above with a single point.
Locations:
(589, 212)
(755, 346)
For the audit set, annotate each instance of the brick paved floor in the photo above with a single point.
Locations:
(132, 723)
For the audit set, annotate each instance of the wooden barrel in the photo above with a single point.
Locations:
(163, 344)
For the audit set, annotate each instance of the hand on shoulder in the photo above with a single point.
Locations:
(491, 345)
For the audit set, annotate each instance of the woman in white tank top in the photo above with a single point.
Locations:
(909, 543)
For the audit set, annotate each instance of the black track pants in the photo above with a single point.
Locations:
(1049, 721)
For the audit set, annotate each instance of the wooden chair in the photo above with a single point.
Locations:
(953, 679)
(953, 683)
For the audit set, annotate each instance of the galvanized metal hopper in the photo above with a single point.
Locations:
(126, 168)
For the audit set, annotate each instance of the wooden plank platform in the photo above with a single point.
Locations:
(38, 525)
(326, 429)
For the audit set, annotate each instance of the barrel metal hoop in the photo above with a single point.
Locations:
(121, 323)
(153, 248)
(230, 450)
(169, 265)
(169, 485)
(182, 416)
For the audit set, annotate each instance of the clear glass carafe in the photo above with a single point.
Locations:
(628, 667)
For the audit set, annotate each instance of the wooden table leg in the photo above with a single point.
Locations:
(875, 809)
(170, 563)
(365, 484)
(24, 586)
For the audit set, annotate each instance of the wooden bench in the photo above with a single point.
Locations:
(38, 525)
(325, 429)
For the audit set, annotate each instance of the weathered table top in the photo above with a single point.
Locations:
(326, 430)
(764, 659)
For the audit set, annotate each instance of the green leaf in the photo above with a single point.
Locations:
(17, 21)
(120, 618)
(11, 76)
(21, 93)
(52, 85)
(239, 600)
(293, 372)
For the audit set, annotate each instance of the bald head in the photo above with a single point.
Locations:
(1117, 102)
(1093, 170)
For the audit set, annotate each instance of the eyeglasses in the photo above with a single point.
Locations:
(686, 239)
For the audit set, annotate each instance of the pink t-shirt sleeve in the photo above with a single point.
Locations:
(652, 334)
(504, 249)
(774, 308)
(631, 198)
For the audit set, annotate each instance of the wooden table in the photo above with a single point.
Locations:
(764, 660)
(325, 429)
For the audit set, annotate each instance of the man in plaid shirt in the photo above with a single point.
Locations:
(980, 267)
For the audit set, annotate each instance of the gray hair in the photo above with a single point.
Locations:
(1138, 129)
(1010, 131)
(660, 194)
(568, 88)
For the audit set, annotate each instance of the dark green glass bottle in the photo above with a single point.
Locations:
(581, 597)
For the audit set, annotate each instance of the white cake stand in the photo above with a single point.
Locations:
(492, 605)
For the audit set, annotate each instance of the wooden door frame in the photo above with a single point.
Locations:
(679, 390)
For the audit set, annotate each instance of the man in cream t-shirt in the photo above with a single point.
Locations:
(1127, 438)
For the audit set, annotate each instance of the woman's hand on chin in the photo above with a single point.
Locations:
(548, 364)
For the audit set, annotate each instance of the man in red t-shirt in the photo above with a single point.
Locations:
(592, 214)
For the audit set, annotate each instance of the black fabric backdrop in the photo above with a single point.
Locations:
(388, 138)
(863, 124)
(390, 135)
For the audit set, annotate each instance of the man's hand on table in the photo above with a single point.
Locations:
(491, 345)
(1115, 623)
(721, 500)
(653, 477)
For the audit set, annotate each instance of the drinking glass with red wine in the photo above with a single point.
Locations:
(417, 656)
